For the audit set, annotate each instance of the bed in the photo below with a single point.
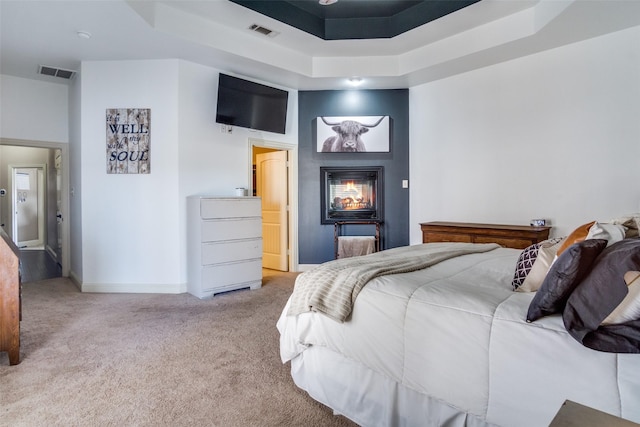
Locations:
(450, 340)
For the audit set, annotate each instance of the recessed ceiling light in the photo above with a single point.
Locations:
(355, 81)
(84, 34)
(327, 2)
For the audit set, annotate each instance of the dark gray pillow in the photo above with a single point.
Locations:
(563, 277)
(598, 295)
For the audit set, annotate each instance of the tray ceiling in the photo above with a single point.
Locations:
(67, 34)
(355, 19)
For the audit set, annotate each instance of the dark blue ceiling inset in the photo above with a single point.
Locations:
(355, 19)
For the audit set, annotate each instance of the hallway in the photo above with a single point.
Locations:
(37, 265)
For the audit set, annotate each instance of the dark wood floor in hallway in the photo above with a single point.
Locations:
(37, 265)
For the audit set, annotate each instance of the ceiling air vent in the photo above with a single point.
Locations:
(263, 30)
(56, 72)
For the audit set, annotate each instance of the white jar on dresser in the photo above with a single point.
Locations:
(224, 244)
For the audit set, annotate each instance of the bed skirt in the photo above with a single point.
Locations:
(375, 401)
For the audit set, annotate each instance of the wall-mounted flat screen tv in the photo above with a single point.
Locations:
(251, 105)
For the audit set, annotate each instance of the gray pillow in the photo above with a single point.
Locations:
(598, 295)
(563, 277)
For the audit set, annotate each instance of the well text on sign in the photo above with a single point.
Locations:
(128, 140)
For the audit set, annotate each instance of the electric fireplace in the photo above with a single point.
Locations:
(350, 194)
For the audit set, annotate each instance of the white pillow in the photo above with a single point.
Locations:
(629, 308)
(610, 232)
(630, 221)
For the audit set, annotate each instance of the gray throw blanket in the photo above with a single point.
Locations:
(332, 288)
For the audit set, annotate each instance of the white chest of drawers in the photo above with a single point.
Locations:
(224, 244)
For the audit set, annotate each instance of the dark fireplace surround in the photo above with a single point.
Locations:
(351, 194)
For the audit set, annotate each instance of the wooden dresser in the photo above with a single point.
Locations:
(510, 236)
(9, 298)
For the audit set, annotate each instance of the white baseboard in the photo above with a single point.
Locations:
(75, 279)
(134, 288)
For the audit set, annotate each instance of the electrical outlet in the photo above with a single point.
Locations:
(405, 183)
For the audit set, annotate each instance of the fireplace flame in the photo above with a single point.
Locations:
(350, 198)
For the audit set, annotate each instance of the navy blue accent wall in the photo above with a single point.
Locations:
(316, 241)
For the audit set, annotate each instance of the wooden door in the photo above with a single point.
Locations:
(272, 187)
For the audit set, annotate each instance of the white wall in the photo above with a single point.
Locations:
(75, 175)
(134, 226)
(211, 162)
(33, 110)
(554, 135)
(127, 219)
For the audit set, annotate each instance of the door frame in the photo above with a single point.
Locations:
(292, 182)
(41, 177)
(65, 209)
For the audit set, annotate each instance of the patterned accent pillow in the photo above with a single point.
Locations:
(525, 262)
(523, 266)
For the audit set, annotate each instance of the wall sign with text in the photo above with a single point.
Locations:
(128, 140)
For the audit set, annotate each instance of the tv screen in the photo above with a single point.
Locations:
(251, 105)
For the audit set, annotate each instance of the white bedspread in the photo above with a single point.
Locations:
(333, 287)
(456, 332)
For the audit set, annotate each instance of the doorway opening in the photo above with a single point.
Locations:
(53, 254)
(273, 167)
(28, 206)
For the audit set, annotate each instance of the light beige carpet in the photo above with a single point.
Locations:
(154, 360)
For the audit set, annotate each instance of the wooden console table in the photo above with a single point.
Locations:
(10, 313)
(510, 236)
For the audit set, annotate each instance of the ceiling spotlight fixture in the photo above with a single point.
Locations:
(327, 2)
(355, 81)
(83, 34)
